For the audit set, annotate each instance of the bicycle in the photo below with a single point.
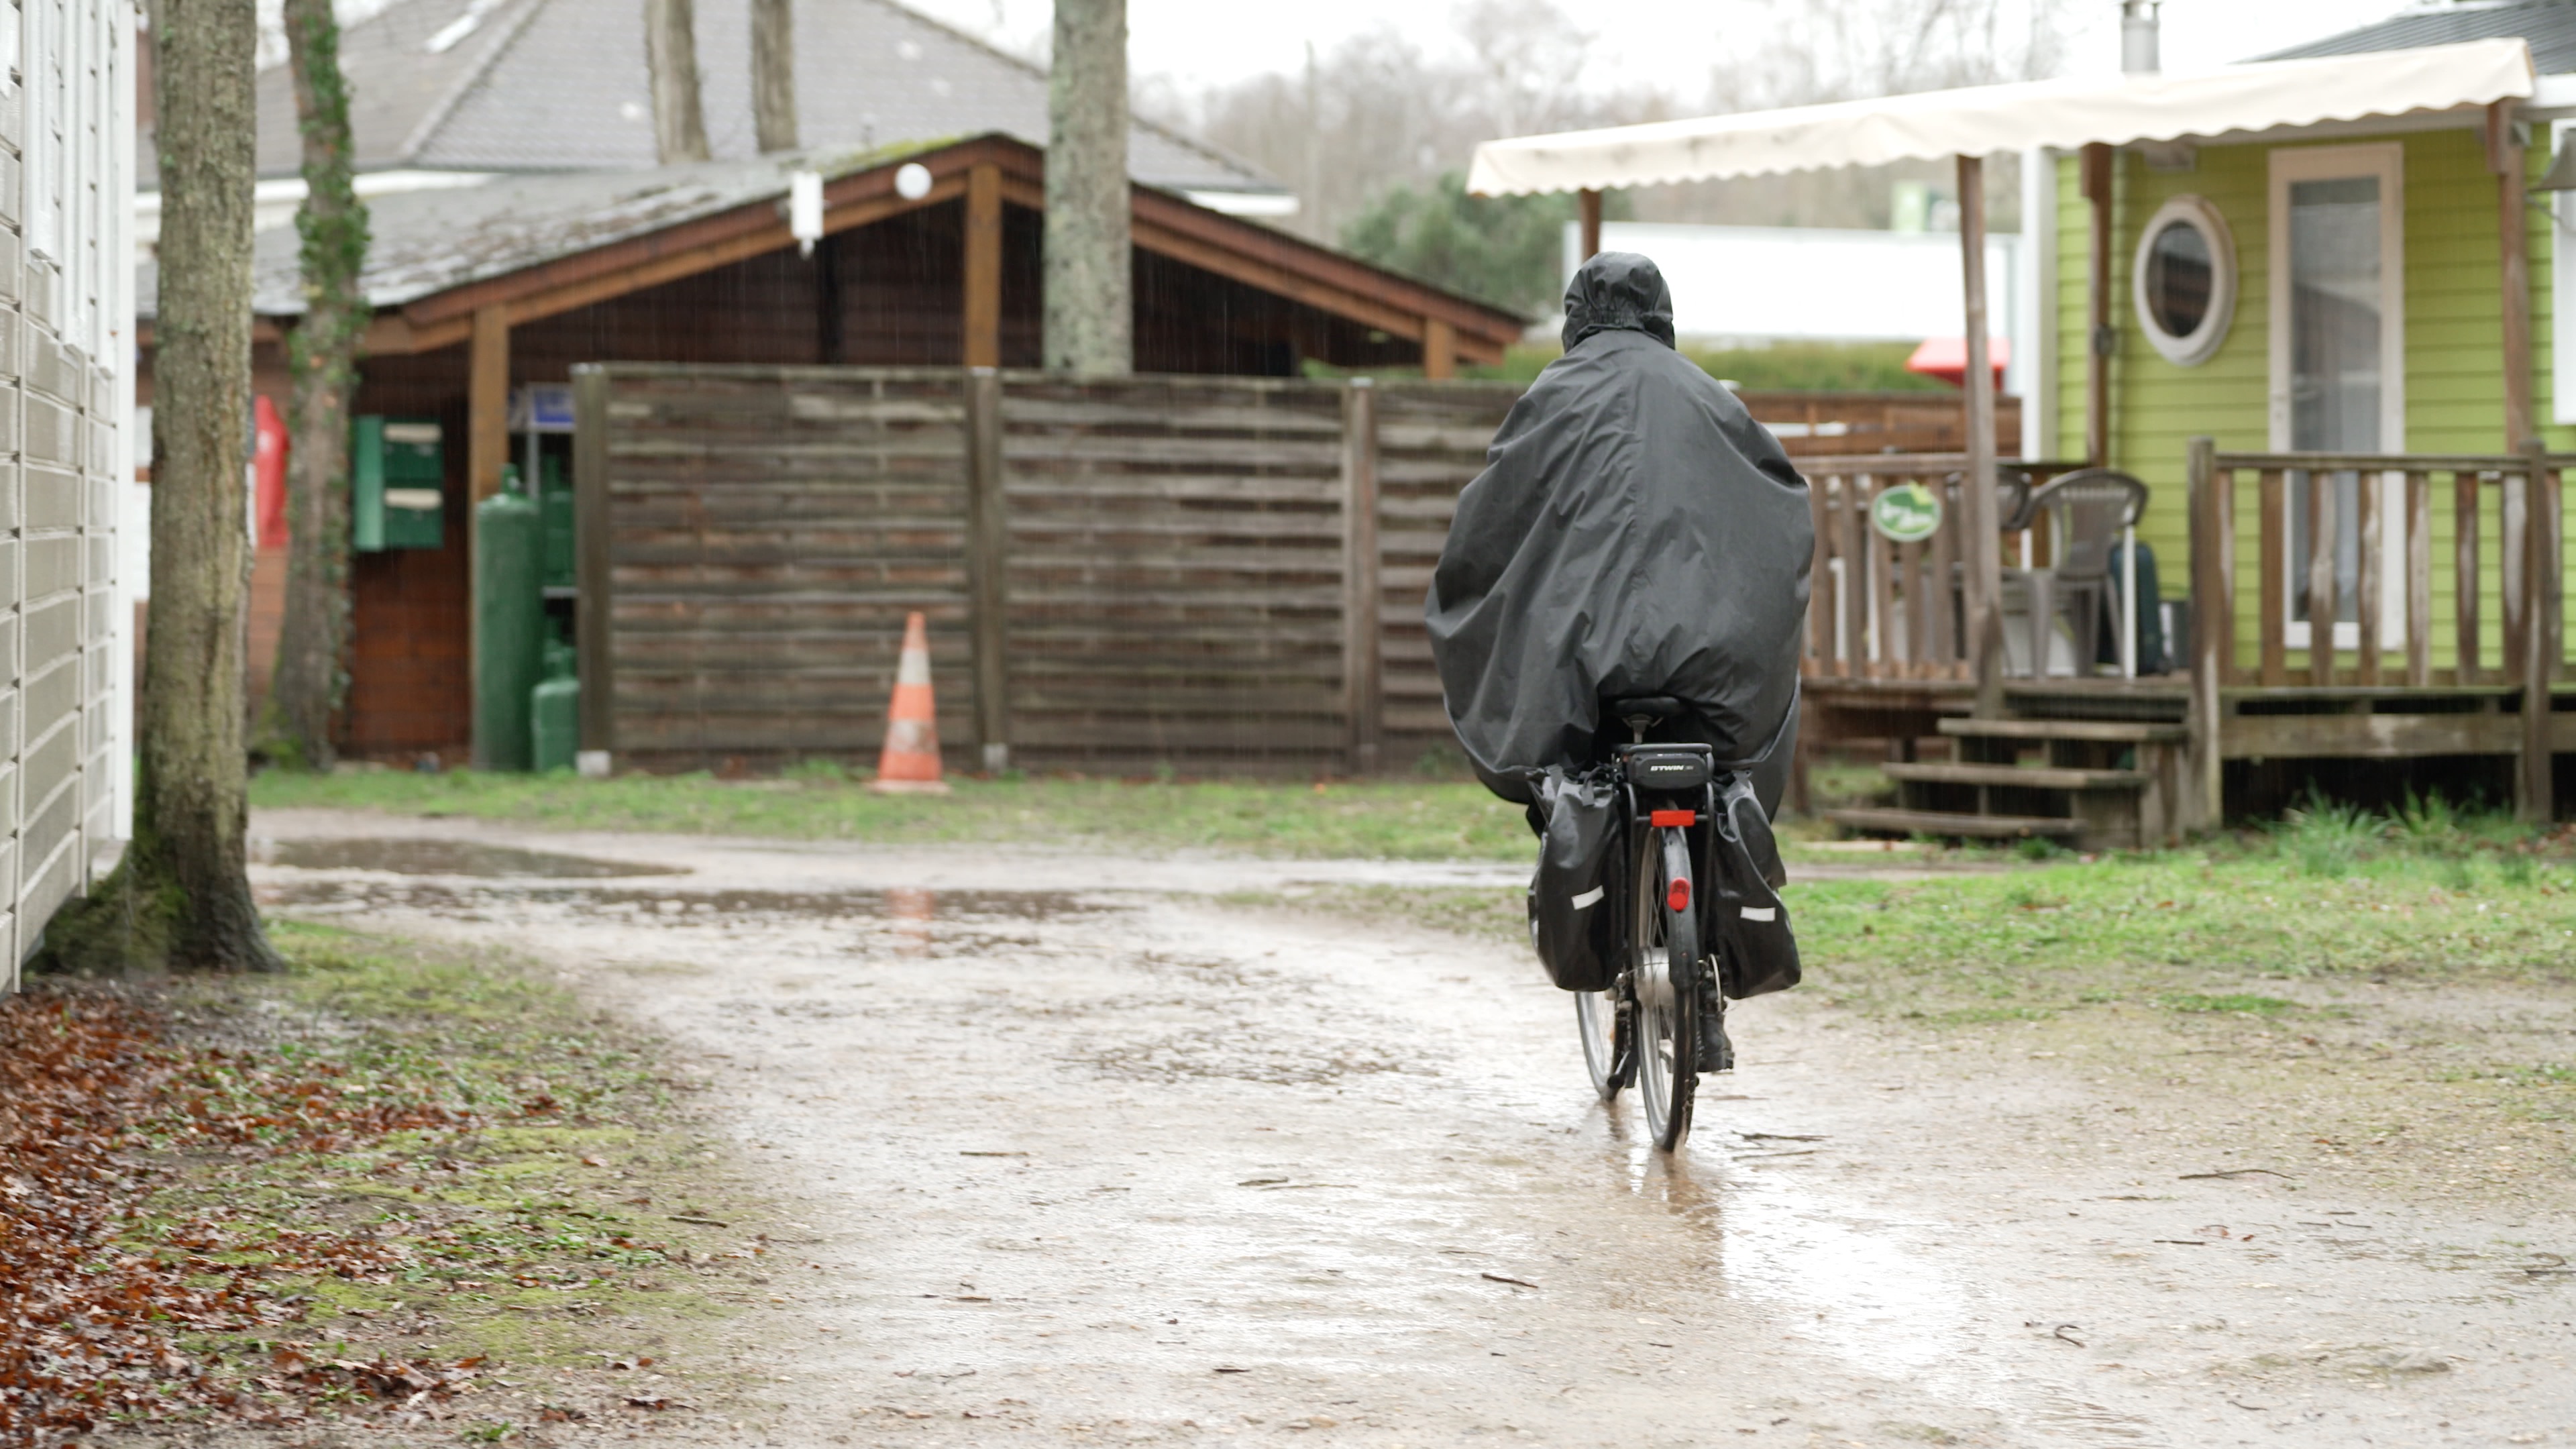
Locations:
(1646, 1028)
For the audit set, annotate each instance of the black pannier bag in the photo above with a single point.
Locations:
(1570, 896)
(1748, 924)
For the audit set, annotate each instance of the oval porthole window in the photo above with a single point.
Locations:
(2185, 280)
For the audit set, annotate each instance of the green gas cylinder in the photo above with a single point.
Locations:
(509, 623)
(554, 502)
(554, 712)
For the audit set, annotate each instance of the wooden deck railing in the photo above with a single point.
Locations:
(2512, 498)
(1878, 609)
(2484, 497)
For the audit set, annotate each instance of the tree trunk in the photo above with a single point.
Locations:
(773, 74)
(321, 355)
(181, 897)
(1089, 289)
(671, 49)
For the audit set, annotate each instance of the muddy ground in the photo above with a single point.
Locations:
(1084, 1148)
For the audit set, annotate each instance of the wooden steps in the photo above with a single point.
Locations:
(2090, 731)
(1952, 823)
(2019, 777)
(2097, 783)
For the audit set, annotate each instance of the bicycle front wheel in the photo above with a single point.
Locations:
(1663, 965)
(1609, 1042)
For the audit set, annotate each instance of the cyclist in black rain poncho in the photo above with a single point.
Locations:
(1634, 532)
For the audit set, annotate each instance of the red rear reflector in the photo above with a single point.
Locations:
(1677, 896)
(1674, 817)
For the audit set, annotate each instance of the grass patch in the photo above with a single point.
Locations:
(1394, 820)
(426, 1155)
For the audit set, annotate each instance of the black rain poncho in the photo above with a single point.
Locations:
(1634, 532)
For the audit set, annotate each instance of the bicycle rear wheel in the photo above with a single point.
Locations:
(1609, 1040)
(1663, 965)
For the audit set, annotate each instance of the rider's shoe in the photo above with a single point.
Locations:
(1716, 1050)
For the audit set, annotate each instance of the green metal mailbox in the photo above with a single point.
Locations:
(397, 467)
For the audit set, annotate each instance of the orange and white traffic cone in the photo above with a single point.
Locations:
(910, 764)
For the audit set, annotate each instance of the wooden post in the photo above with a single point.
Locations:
(592, 614)
(2505, 158)
(2534, 789)
(2324, 604)
(2213, 615)
(487, 448)
(487, 403)
(987, 559)
(2099, 337)
(1591, 201)
(984, 266)
(2464, 573)
(1362, 694)
(1439, 349)
(1984, 591)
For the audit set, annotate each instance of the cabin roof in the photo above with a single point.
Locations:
(561, 85)
(537, 245)
(2547, 26)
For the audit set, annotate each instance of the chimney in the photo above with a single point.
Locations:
(2138, 37)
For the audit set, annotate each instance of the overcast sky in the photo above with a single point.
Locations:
(1672, 43)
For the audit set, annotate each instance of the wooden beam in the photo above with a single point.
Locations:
(487, 405)
(983, 267)
(1984, 582)
(2096, 172)
(1591, 201)
(487, 448)
(2213, 617)
(852, 201)
(2535, 794)
(591, 573)
(987, 562)
(1439, 349)
(1362, 690)
(2513, 238)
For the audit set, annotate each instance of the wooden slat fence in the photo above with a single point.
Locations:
(1213, 572)
(1431, 441)
(759, 535)
(1175, 561)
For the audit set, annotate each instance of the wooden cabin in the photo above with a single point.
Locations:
(2308, 298)
(920, 256)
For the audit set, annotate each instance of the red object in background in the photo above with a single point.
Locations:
(268, 464)
(1947, 359)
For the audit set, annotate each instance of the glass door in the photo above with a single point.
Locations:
(2338, 369)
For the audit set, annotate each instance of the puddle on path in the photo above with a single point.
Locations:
(445, 857)
(912, 915)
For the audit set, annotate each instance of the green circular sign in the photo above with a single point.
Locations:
(1907, 513)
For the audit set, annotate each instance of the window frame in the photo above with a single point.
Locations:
(2202, 342)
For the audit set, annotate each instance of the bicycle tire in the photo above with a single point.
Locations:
(1609, 1040)
(1663, 971)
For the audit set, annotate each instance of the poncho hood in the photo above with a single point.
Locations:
(1618, 292)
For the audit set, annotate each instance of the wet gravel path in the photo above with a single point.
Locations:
(1085, 1154)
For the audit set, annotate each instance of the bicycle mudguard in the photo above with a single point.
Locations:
(1757, 952)
(1573, 900)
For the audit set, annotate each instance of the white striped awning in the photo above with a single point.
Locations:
(1982, 120)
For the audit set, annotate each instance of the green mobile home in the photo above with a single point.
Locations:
(2307, 302)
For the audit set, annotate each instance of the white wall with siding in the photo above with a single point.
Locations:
(66, 450)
